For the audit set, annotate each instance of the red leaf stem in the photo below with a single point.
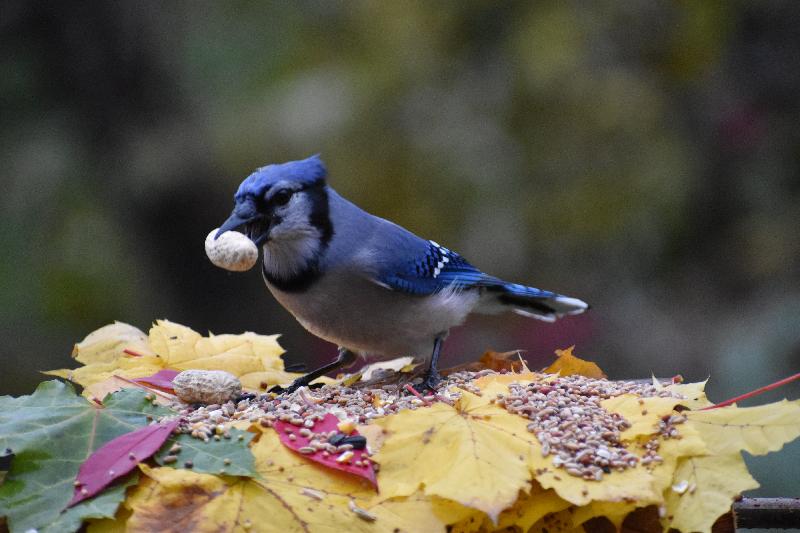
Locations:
(410, 388)
(756, 392)
(145, 387)
(161, 379)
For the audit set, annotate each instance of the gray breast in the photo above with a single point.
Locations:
(358, 314)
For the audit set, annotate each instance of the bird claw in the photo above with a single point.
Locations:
(430, 381)
(277, 389)
(296, 384)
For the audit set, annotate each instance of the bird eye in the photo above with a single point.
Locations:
(281, 197)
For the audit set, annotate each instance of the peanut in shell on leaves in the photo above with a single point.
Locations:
(206, 386)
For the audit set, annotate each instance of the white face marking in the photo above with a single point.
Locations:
(294, 242)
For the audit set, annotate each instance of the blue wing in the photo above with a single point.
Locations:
(427, 267)
(433, 270)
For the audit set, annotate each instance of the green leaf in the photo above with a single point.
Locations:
(209, 457)
(104, 505)
(52, 432)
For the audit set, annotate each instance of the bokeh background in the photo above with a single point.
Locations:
(643, 156)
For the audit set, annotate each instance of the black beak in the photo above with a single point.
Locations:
(233, 222)
(244, 213)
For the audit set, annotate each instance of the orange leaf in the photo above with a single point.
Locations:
(491, 360)
(568, 365)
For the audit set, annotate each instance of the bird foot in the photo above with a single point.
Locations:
(429, 381)
(296, 384)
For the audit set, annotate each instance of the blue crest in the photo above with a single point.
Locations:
(305, 172)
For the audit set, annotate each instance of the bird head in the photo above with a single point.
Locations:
(281, 203)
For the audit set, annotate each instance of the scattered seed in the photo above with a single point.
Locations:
(311, 493)
(361, 513)
(345, 457)
(680, 487)
(346, 426)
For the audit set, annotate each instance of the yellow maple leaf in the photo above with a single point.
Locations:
(642, 413)
(615, 512)
(173, 342)
(291, 494)
(568, 364)
(374, 435)
(671, 451)
(559, 522)
(494, 384)
(713, 481)
(103, 352)
(250, 344)
(110, 525)
(414, 512)
(99, 390)
(505, 379)
(511, 361)
(177, 500)
(475, 454)
(417, 512)
(528, 509)
(757, 430)
(183, 348)
(122, 350)
(107, 343)
(95, 373)
(261, 381)
(397, 365)
(694, 394)
(631, 484)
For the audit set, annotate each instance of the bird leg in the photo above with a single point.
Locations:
(345, 359)
(432, 377)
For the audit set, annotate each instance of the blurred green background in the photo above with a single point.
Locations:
(643, 156)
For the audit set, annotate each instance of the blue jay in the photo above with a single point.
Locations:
(362, 282)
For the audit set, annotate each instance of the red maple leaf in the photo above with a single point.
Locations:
(329, 423)
(118, 457)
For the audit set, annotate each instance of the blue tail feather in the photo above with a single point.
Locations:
(538, 303)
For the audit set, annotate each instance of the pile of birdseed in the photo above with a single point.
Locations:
(569, 422)
(565, 416)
